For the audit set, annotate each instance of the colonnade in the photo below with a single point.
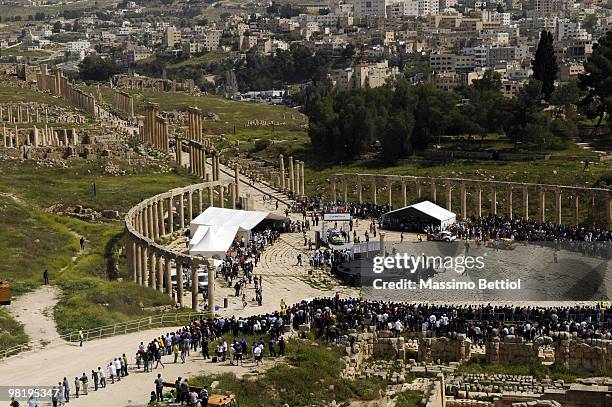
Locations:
(499, 191)
(294, 181)
(155, 129)
(22, 113)
(151, 264)
(123, 102)
(35, 137)
(58, 85)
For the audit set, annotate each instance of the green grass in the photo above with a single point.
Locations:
(309, 376)
(207, 58)
(409, 398)
(13, 94)
(35, 239)
(11, 331)
(31, 241)
(21, 52)
(49, 185)
(231, 113)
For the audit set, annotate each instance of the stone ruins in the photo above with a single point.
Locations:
(58, 85)
(598, 200)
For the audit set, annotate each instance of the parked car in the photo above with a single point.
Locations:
(443, 236)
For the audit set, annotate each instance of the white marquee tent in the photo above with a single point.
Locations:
(425, 212)
(214, 230)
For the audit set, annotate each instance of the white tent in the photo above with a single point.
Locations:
(212, 240)
(424, 212)
(214, 230)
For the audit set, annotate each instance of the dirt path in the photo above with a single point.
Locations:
(35, 311)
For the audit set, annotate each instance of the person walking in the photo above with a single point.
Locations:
(94, 377)
(81, 337)
(125, 365)
(159, 388)
(77, 386)
(112, 371)
(101, 377)
(46, 277)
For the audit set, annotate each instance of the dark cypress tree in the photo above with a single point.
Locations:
(544, 65)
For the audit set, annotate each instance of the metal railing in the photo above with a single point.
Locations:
(121, 328)
(13, 350)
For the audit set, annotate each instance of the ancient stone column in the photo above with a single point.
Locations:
(525, 202)
(404, 194)
(558, 206)
(373, 186)
(390, 192)
(194, 285)
(236, 182)
(291, 175)
(160, 274)
(479, 201)
(211, 198)
(542, 205)
(359, 190)
(232, 192)
(221, 196)
(133, 259)
(145, 266)
(463, 202)
(168, 275)
(190, 205)
(151, 222)
(145, 222)
(138, 264)
(217, 167)
(203, 163)
(179, 281)
(382, 243)
(302, 192)
(575, 202)
(179, 152)
(155, 220)
(154, 270)
(200, 201)
(510, 208)
(449, 197)
(182, 210)
(160, 218)
(493, 199)
(345, 192)
(419, 190)
(282, 172)
(297, 178)
(434, 191)
(171, 214)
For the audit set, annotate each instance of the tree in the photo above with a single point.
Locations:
(565, 97)
(544, 65)
(95, 68)
(397, 131)
(431, 114)
(597, 78)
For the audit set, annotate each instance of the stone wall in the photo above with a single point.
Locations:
(361, 350)
(435, 396)
(513, 349)
(592, 354)
(453, 349)
(385, 345)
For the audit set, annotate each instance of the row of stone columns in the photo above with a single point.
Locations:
(495, 188)
(294, 183)
(21, 114)
(35, 137)
(155, 129)
(195, 123)
(123, 102)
